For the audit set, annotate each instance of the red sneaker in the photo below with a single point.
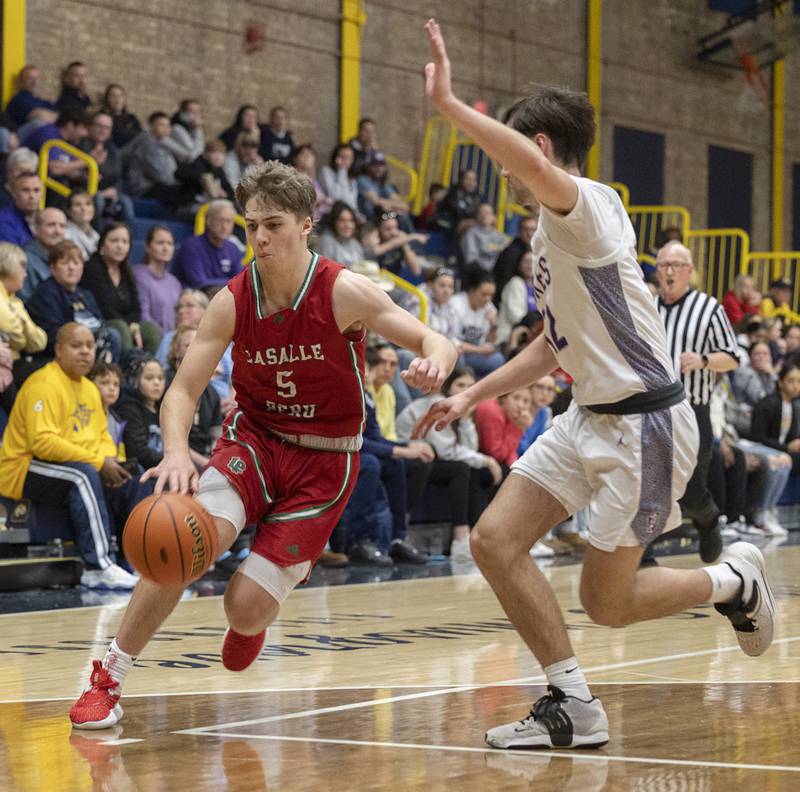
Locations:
(239, 651)
(98, 707)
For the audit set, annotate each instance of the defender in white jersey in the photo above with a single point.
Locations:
(625, 447)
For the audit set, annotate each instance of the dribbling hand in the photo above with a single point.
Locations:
(438, 86)
(441, 414)
(175, 470)
(424, 374)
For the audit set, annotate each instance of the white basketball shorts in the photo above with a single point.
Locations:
(630, 470)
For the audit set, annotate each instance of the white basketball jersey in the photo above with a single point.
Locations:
(600, 319)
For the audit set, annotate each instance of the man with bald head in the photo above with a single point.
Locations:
(49, 228)
(211, 259)
(57, 450)
(702, 344)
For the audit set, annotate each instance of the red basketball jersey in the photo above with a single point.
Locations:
(296, 375)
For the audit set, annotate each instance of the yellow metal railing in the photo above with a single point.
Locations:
(200, 227)
(764, 267)
(92, 180)
(649, 223)
(464, 154)
(623, 192)
(403, 284)
(719, 255)
(646, 258)
(440, 137)
(412, 177)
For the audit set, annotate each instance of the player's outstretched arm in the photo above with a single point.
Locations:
(193, 375)
(515, 152)
(357, 300)
(530, 365)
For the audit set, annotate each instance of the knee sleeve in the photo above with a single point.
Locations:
(276, 580)
(220, 499)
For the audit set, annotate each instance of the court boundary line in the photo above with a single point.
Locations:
(463, 688)
(388, 686)
(565, 754)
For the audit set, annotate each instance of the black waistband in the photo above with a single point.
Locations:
(649, 401)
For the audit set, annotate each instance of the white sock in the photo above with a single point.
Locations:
(567, 675)
(117, 663)
(725, 583)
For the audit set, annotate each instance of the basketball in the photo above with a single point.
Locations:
(170, 539)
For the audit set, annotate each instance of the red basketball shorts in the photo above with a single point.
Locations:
(294, 495)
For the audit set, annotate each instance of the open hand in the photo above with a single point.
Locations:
(175, 470)
(438, 85)
(442, 413)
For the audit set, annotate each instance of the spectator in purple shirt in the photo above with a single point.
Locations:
(71, 126)
(211, 259)
(26, 107)
(159, 290)
(16, 221)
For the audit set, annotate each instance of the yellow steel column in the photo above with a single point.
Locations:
(13, 44)
(776, 235)
(594, 50)
(353, 19)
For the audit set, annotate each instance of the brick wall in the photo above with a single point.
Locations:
(162, 52)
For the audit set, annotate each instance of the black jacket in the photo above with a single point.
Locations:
(115, 302)
(142, 433)
(190, 175)
(766, 424)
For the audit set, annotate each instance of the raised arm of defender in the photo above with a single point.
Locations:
(530, 365)
(518, 155)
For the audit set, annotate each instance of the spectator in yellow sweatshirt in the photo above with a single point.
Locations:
(57, 449)
(777, 304)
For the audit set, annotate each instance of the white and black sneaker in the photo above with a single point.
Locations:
(752, 613)
(555, 721)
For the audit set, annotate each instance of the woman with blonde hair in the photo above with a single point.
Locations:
(743, 301)
(22, 334)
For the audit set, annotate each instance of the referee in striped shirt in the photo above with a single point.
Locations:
(702, 345)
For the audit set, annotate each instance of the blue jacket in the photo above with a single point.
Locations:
(51, 306)
(13, 227)
(374, 442)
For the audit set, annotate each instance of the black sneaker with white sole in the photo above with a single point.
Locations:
(555, 721)
(752, 613)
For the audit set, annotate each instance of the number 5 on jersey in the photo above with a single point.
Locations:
(286, 388)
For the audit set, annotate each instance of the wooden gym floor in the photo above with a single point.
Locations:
(391, 686)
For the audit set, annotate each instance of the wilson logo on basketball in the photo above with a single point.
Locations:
(237, 465)
(199, 548)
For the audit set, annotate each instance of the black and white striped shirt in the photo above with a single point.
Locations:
(697, 323)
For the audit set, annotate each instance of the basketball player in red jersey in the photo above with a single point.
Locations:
(288, 457)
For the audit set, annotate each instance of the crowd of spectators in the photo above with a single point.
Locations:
(69, 265)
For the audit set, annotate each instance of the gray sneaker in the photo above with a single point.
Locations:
(556, 721)
(752, 613)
